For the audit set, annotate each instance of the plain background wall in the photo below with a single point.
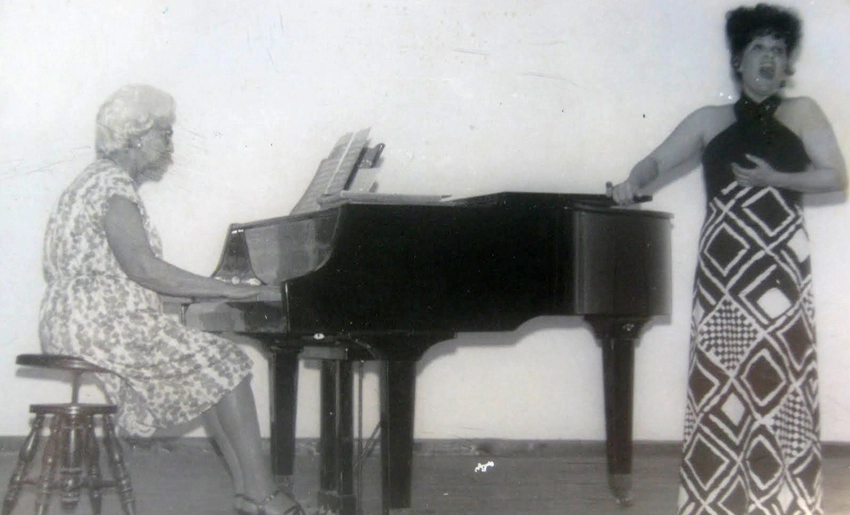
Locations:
(469, 97)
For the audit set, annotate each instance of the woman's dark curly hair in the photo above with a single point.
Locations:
(747, 23)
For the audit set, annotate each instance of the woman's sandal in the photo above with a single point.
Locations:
(260, 506)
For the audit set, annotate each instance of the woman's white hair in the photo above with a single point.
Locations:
(128, 113)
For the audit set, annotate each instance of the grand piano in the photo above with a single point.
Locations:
(369, 279)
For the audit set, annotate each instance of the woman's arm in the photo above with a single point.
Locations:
(683, 145)
(825, 173)
(128, 241)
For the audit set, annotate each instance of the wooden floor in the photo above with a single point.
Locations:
(190, 479)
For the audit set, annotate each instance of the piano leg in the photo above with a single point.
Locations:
(336, 474)
(283, 376)
(398, 395)
(618, 337)
(327, 444)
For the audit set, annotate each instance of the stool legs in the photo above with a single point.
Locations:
(25, 457)
(73, 434)
(92, 454)
(72, 450)
(119, 470)
(48, 467)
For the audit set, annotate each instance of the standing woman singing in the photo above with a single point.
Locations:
(752, 425)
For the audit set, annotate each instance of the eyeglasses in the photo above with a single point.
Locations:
(166, 133)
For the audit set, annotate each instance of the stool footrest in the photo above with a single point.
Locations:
(73, 409)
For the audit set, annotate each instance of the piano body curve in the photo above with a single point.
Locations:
(381, 281)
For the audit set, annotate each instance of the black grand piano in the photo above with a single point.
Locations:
(387, 280)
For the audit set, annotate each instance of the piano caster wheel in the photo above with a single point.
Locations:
(621, 487)
(284, 483)
(624, 502)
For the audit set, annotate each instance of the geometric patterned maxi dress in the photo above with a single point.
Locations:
(752, 428)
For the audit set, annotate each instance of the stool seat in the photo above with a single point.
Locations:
(58, 362)
(71, 450)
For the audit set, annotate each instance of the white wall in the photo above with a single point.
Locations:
(469, 97)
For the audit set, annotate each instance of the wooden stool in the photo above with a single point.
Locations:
(71, 447)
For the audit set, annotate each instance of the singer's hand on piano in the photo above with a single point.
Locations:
(624, 193)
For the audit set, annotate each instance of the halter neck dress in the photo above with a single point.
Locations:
(752, 428)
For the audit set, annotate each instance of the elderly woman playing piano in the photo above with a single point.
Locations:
(104, 273)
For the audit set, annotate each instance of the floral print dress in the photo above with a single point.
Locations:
(163, 373)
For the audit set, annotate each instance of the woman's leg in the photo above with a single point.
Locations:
(236, 414)
(213, 425)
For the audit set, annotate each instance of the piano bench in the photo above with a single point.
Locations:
(71, 450)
